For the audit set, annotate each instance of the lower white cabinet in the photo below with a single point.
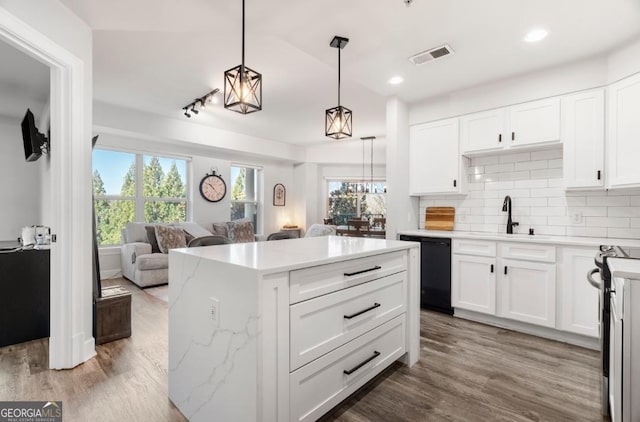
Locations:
(579, 300)
(528, 292)
(325, 382)
(473, 283)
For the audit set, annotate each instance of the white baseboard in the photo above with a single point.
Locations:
(523, 327)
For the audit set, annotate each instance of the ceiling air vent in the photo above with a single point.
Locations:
(430, 55)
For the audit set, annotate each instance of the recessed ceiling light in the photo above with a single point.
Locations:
(395, 80)
(536, 35)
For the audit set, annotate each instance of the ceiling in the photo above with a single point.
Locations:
(158, 55)
(24, 83)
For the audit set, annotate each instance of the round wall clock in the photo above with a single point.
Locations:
(212, 187)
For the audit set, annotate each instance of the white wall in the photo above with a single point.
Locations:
(534, 182)
(20, 187)
(623, 61)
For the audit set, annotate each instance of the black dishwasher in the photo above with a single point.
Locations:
(435, 272)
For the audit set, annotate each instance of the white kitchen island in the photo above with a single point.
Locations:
(285, 330)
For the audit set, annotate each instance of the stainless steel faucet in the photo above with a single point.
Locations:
(506, 207)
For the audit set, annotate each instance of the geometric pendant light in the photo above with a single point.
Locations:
(338, 120)
(242, 85)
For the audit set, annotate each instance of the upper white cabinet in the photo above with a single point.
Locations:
(435, 165)
(523, 125)
(623, 143)
(534, 123)
(483, 131)
(583, 139)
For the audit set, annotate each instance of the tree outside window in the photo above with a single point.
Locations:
(133, 187)
(352, 199)
(244, 194)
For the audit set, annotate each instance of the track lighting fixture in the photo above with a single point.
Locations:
(200, 103)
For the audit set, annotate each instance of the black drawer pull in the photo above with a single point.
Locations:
(377, 267)
(500, 137)
(492, 268)
(513, 136)
(355, 368)
(505, 270)
(371, 308)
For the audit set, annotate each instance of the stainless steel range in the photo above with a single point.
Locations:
(600, 278)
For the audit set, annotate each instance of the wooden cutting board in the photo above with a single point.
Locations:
(439, 218)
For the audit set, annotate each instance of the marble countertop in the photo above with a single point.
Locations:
(624, 268)
(544, 239)
(290, 254)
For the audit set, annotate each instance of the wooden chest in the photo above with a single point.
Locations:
(112, 315)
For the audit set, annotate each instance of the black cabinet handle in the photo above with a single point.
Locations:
(513, 136)
(371, 308)
(500, 137)
(377, 267)
(455, 183)
(505, 270)
(599, 175)
(492, 268)
(360, 365)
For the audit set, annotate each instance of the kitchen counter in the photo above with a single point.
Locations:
(543, 239)
(272, 331)
(624, 268)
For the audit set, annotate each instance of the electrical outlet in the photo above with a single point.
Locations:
(215, 311)
(576, 217)
(463, 216)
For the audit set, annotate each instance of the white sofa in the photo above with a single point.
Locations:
(144, 267)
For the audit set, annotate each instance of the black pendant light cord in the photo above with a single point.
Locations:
(242, 73)
(338, 74)
(371, 179)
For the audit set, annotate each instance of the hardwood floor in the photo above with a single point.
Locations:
(126, 381)
(474, 372)
(467, 372)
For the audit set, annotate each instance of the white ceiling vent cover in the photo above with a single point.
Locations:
(430, 55)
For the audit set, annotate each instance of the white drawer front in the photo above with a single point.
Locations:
(322, 279)
(322, 384)
(322, 324)
(528, 251)
(474, 247)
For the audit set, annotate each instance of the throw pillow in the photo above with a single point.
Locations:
(241, 231)
(170, 238)
(220, 229)
(151, 236)
(320, 230)
(194, 229)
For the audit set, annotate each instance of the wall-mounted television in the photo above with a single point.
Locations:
(35, 143)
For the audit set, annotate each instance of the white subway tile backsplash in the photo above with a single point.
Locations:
(624, 233)
(512, 158)
(623, 211)
(547, 154)
(548, 211)
(483, 161)
(609, 201)
(607, 222)
(535, 183)
(587, 231)
(532, 165)
(541, 183)
(498, 168)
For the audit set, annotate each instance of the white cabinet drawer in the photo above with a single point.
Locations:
(528, 252)
(325, 382)
(316, 281)
(322, 324)
(474, 247)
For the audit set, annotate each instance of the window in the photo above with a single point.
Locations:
(135, 187)
(354, 199)
(244, 194)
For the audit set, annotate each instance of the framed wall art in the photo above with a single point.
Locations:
(279, 195)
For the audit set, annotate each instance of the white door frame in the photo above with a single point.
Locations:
(71, 339)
